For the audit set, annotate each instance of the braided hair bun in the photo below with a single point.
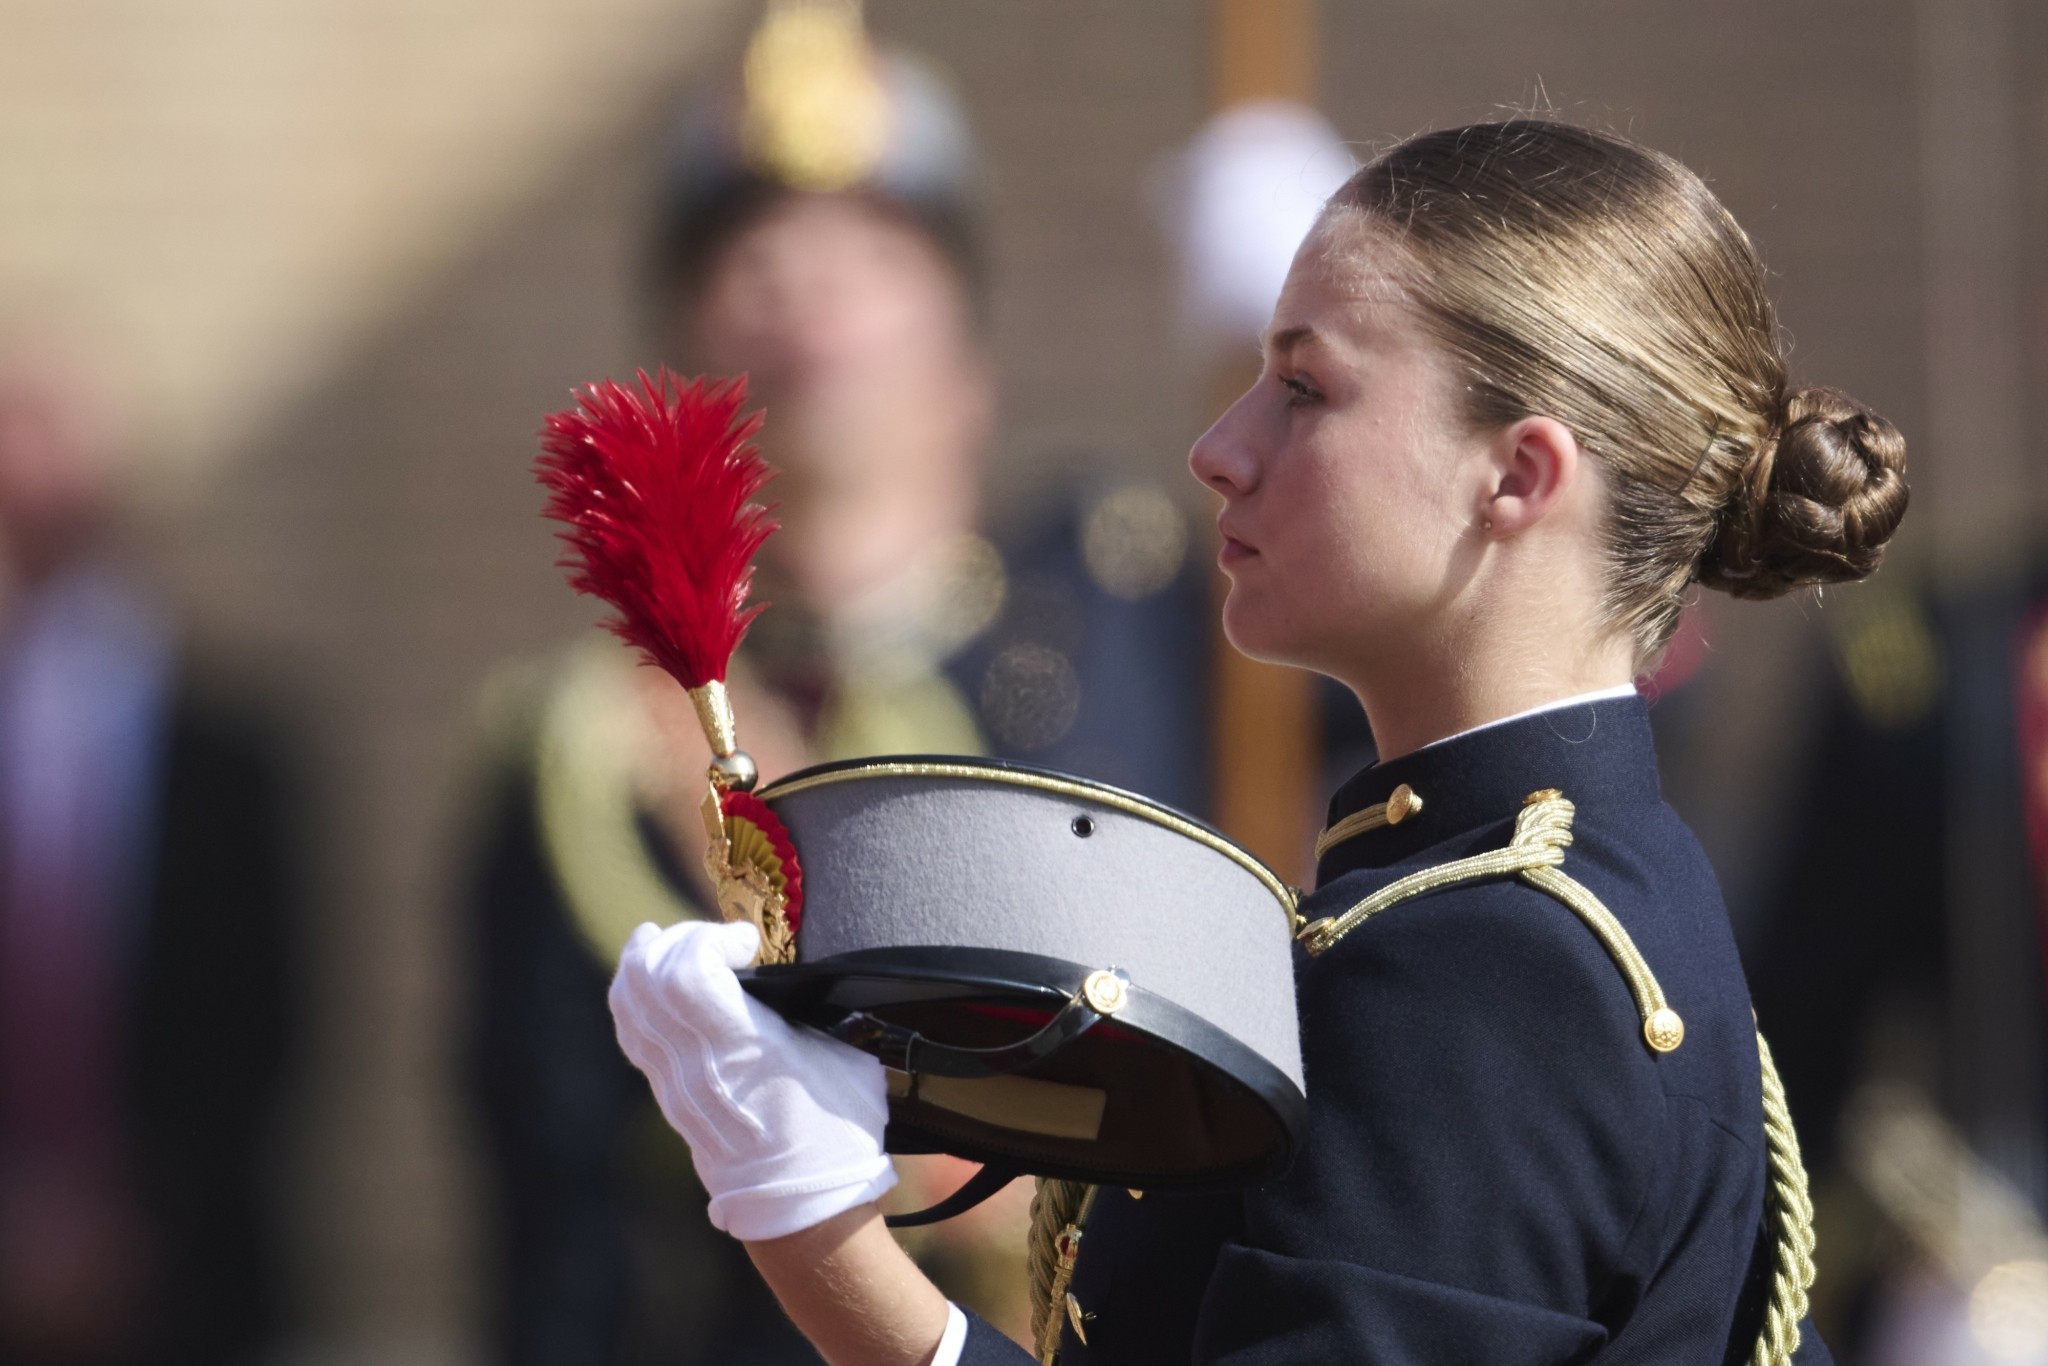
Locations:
(1815, 504)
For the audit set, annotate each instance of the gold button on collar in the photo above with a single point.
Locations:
(1400, 804)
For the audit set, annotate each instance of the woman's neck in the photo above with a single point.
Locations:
(1525, 630)
(1426, 699)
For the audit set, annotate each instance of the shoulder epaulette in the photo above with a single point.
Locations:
(1543, 828)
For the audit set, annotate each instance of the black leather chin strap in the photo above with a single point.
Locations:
(991, 1178)
(906, 1050)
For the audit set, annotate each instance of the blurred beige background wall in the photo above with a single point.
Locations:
(349, 251)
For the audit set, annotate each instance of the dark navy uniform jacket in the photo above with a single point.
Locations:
(1497, 1168)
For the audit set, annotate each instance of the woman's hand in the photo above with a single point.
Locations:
(785, 1127)
(784, 1124)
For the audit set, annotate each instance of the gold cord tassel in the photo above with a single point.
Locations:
(1058, 1213)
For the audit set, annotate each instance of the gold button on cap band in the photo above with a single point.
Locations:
(1664, 1031)
(1104, 990)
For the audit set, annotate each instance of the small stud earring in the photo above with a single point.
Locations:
(1486, 524)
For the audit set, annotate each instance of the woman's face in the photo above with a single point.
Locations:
(1352, 490)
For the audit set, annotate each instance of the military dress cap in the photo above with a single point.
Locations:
(817, 108)
(1067, 979)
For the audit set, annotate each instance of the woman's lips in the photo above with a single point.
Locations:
(1233, 552)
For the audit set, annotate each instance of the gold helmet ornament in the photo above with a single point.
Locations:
(817, 114)
(817, 108)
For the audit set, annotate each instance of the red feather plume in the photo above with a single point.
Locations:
(656, 488)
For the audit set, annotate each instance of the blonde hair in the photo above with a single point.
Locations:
(1575, 275)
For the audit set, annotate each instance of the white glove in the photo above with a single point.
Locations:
(784, 1123)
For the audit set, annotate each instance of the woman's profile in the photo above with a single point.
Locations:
(1522, 391)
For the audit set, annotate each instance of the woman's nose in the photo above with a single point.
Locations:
(1222, 458)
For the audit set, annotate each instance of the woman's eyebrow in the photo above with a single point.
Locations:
(1287, 338)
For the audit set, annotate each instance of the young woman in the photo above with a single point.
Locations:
(1522, 390)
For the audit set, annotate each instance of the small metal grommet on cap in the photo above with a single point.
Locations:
(1664, 1031)
(1401, 804)
(1106, 990)
(1083, 826)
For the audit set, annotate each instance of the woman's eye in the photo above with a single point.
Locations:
(1298, 391)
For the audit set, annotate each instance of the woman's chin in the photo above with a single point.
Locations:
(1254, 633)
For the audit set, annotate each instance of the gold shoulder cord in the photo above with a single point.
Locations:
(590, 733)
(1789, 1207)
(1542, 830)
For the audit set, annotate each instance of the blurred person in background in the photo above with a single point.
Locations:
(146, 910)
(1900, 962)
(816, 230)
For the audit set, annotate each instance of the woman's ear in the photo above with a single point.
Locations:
(1536, 463)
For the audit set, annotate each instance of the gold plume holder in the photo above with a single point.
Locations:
(738, 857)
(729, 763)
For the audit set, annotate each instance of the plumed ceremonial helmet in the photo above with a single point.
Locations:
(817, 109)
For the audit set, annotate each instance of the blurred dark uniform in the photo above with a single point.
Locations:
(1922, 803)
(148, 988)
(1081, 644)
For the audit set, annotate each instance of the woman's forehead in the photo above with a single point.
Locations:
(1349, 253)
(1343, 292)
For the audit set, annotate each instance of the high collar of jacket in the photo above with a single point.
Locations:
(1593, 753)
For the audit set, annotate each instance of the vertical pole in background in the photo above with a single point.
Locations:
(1264, 50)
(1265, 768)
